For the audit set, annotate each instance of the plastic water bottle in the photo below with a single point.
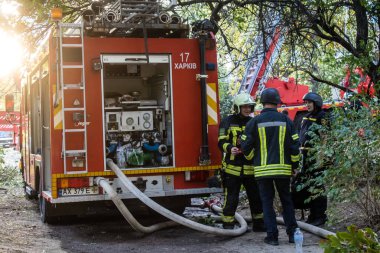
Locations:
(298, 240)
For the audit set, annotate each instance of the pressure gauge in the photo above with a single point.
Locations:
(146, 116)
(126, 137)
(129, 121)
(146, 125)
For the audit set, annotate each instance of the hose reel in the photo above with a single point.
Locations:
(164, 18)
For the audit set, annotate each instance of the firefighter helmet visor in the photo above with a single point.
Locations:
(243, 99)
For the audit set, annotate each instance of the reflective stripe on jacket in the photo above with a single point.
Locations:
(230, 130)
(271, 139)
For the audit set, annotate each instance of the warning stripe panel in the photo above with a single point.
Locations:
(5, 127)
(58, 116)
(212, 106)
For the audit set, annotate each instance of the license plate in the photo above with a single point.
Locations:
(79, 191)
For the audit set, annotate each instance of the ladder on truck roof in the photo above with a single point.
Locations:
(74, 131)
(261, 61)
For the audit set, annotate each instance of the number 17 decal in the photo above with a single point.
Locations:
(184, 56)
(185, 64)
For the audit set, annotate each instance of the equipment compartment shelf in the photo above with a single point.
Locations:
(113, 108)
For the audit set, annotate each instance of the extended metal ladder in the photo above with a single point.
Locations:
(253, 65)
(76, 128)
(261, 61)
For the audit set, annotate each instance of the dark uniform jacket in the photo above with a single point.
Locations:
(230, 130)
(319, 118)
(271, 140)
(307, 121)
(305, 174)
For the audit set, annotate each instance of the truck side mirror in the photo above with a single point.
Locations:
(9, 103)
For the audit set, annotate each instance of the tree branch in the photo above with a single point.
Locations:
(324, 81)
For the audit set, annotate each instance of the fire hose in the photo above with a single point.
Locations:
(303, 225)
(126, 213)
(160, 209)
(309, 228)
(177, 219)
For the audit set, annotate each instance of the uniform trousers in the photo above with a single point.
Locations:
(267, 193)
(232, 185)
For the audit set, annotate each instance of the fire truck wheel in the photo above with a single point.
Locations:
(175, 204)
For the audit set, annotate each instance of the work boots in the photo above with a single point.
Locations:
(271, 240)
(291, 237)
(316, 221)
(228, 225)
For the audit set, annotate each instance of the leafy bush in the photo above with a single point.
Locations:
(349, 150)
(9, 176)
(225, 100)
(354, 241)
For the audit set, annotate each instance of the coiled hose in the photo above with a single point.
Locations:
(126, 213)
(160, 209)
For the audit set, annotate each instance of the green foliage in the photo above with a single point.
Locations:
(225, 100)
(206, 220)
(348, 149)
(353, 241)
(9, 176)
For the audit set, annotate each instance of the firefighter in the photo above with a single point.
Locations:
(237, 170)
(316, 115)
(270, 139)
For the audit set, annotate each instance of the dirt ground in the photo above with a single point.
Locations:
(22, 231)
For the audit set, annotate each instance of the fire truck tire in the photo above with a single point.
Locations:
(175, 204)
(183, 203)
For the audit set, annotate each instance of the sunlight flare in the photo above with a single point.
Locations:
(9, 8)
(11, 53)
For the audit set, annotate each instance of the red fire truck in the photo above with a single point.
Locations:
(258, 69)
(9, 129)
(259, 65)
(125, 83)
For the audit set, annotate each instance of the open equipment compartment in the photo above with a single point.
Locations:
(137, 110)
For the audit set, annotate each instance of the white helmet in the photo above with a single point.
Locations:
(243, 99)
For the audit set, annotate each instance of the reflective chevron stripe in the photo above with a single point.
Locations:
(212, 107)
(58, 116)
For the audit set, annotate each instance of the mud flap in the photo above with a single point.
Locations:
(46, 211)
